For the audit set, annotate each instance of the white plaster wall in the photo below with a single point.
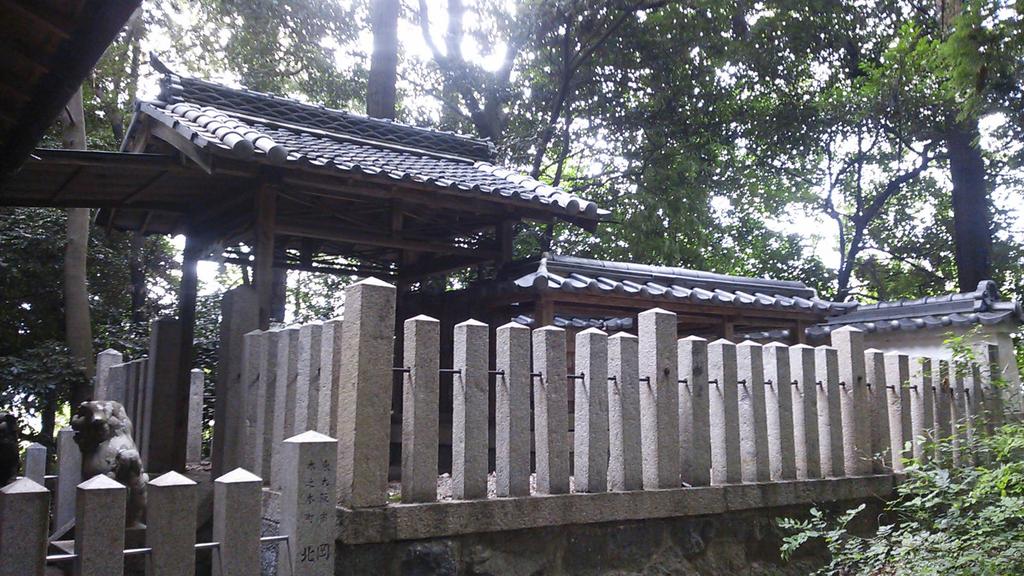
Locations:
(929, 342)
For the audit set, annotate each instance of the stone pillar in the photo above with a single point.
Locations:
(69, 475)
(806, 441)
(724, 413)
(694, 412)
(512, 410)
(551, 410)
(171, 525)
(753, 419)
(853, 400)
(237, 516)
(830, 423)
(659, 398)
(897, 387)
(239, 314)
(252, 382)
(469, 411)
(143, 394)
(196, 389)
(779, 407)
(942, 401)
(625, 466)
(284, 399)
(104, 360)
(167, 399)
(307, 378)
(878, 401)
(591, 412)
(263, 430)
(131, 394)
(420, 409)
(992, 383)
(921, 416)
(330, 376)
(364, 401)
(35, 463)
(24, 516)
(116, 384)
(308, 514)
(959, 416)
(99, 527)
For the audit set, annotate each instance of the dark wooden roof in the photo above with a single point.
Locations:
(47, 48)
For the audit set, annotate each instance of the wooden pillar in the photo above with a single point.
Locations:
(506, 235)
(187, 320)
(263, 230)
(543, 313)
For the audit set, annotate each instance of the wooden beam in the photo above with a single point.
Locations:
(326, 232)
(146, 186)
(264, 226)
(64, 185)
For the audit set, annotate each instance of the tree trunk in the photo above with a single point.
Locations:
(137, 273)
(78, 328)
(380, 90)
(972, 234)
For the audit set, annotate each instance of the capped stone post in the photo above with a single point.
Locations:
(24, 517)
(830, 420)
(550, 410)
(922, 417)
(512, 410)
(330, 377)
(262, 438)
(307, 378)
(897, 386)
(308, 502)
(694, 412)
(853, 400)
(469, 411)
(625, 466)
(364, 393)
(878, 401)
(659, 398)
(284, 399)
(778, 392)
(171, 502)
(805, 412)
(196, 388)
(99, 527)
(103, 389)
(420, 409)
(753, 416)
(237, 515)
(591, 411)
(724, 413)
(35, 463)
(69, 475)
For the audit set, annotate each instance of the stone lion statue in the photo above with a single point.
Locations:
(103, 433)
(9, 457)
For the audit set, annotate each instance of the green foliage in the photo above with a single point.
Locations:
(943, 520)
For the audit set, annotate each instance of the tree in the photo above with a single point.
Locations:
(381, 94)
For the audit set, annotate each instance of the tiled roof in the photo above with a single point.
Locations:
(582, 322)
(982, 306)
(572, 274)
(254, 126)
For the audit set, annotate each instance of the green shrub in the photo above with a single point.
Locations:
(943, 520)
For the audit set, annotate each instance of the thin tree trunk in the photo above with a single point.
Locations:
(77, 324)
(137, 273)
(380, 92)
(972, 234)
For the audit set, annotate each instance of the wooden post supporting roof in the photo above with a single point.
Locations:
(263, 230)
(187, 320)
